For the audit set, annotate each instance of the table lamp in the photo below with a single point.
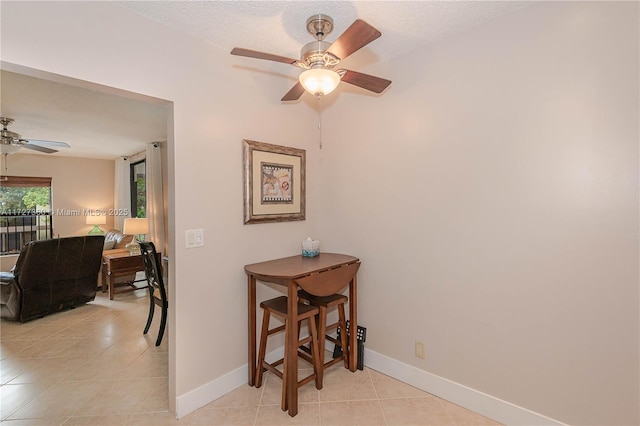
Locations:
(96, 220)
(138, 227)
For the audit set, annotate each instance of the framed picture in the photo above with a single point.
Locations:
(273, 183)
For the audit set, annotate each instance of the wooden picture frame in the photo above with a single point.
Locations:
(274, 182)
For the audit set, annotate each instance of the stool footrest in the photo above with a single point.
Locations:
(272, 369)
(306, 357)
(333, 326)
(305, 340)
(306, 380)
(333, 361)
(333, 340)
(276, 330)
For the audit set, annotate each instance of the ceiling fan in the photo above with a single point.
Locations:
(12, 141)
(319, 58)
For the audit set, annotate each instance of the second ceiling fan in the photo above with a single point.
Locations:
(319, 58)
(11, 142)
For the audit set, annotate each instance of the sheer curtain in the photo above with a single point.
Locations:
(122, 196)
(155, 196)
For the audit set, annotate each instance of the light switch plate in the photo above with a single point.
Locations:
(194, 238)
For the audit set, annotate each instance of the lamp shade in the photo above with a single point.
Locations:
(319, 81)
(136, 226)
(7, 148)
(95, 219)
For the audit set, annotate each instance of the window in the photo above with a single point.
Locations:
(25, 211)
(138, 189)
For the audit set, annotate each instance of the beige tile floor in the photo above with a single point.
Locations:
(92, 366)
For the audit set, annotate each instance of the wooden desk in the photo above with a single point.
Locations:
(121, 264)
(284, 272)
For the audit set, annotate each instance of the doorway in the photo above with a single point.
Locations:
(93, 119)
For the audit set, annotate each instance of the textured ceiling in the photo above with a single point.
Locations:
(98, 125)
(279, 27)
(94, 123)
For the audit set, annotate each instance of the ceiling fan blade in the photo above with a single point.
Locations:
(294, 94)
(39, 148)
(358, 35)
(49, 143)
(366, 81)
(262, 55)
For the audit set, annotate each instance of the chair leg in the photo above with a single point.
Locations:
(343, 334)
(163, 323)
(152, 306)
(263, 348)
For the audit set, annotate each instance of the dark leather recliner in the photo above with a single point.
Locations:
(51, 276)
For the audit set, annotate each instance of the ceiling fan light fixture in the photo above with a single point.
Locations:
(319, 81)
(9, 148)
(319, 58)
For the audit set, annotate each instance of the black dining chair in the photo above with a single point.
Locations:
(155, 284)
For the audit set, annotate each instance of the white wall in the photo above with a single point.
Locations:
(492, 195)
(78, 185)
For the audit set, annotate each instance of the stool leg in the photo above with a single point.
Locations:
(315, 351)
(322, 333)
(343, 334)
(263, 348)
(284, 403)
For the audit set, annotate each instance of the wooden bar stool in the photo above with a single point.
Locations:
(319, 290)
(278, 308)
(324, 303)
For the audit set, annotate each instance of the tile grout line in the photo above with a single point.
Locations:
(375, 390)
(255, 417)
(26, 403)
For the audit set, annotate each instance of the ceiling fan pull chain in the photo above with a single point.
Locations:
(319, 121)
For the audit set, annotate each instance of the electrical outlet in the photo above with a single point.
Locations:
(419, 349)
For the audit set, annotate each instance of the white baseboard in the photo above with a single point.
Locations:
(203, 395)
(464, 396)
(479, 402)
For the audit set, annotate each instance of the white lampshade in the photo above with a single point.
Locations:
(96, 219)
(319, 81)
(9, 148)
(136, 226)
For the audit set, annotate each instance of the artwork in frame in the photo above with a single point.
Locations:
(274, 183)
